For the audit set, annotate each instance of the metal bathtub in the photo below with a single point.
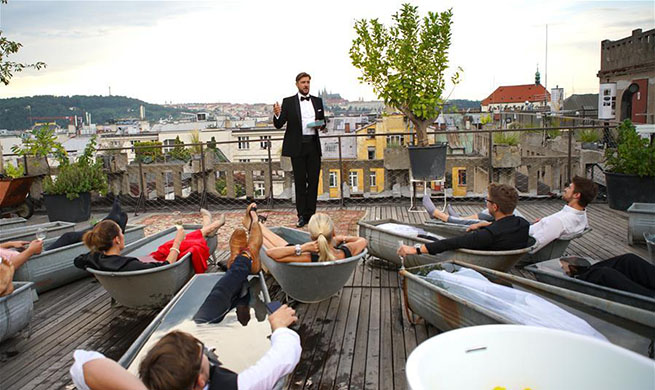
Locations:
(27, 233)
(309, 282)
(10, 223)
(384, 244)
(16, 310)
(150, 288)
(54, 268)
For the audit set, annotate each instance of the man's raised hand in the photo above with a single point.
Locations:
(276, 109)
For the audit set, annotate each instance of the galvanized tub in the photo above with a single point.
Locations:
(551, 272)
(445, 229)
(309, 282)
(27, 233)
(384, 245)
(182, 308)
(10, 223)
(447, 311)
(16, 310)
(150, 288)
(650, 242)
(555, 249)
(641, 219)
(55, 268)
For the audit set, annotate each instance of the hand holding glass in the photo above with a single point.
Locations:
(41, 234)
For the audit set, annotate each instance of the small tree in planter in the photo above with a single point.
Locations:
(506, 152)
(406, 65)
(179, 152)
(630, 174)
(67, 197)
(38, 147)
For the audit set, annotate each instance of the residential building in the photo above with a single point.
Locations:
(627, 78)
(526, 97)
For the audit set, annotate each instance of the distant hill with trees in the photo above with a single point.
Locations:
(463, 104)
(14, 112)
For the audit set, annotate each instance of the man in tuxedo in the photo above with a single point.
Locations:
(301, 143)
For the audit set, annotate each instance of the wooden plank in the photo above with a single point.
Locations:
(336, 348)
(344, 369)
(386, 334)
(358, 373)
(372, 370)
(398, 334)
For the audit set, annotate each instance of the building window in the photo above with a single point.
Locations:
(333, 180)
(373, 180)
(371, 152)
(264, 159)
(263, 141)
(169, 142)
(353, 180)
(332, 147)
(260, 189)
(244, 160)
(371, 132)
(243, 143)
(395, 140)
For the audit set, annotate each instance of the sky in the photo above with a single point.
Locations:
(250, 51)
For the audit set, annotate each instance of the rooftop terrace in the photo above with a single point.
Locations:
(359, 338)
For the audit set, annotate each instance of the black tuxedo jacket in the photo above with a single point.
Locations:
(290, 114)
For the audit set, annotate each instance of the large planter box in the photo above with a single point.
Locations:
(60, 208)
(428, 162)
(506, 156)
(396, 158)
(641, 219)
(624, 190)
(196, 161)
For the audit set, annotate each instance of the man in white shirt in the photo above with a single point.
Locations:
(180, 362)
(301, 143)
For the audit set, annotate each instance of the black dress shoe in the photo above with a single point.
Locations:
(301, 222)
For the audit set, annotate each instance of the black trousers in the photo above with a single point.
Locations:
(306, 169)
(225, 293)
(68, 238)
(627, 272)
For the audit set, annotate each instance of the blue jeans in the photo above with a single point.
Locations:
(225, 294)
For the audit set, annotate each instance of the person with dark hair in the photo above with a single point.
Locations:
(106, 241)
(569, 221)
(627, 272)
(507, 232)
(304, 116)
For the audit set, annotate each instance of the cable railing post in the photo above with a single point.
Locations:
(569, 157)
(490, 151)
(142, 197)
(270, 174)
(203, 197)
(341, 175)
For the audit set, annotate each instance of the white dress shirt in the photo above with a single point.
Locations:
(564, 223)
(278, 361)
(307, 114)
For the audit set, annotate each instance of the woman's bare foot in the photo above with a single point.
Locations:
(206, 217)
(438, 214)
(251, 215)
(211, 229)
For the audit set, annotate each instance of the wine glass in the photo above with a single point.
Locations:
(41, 234)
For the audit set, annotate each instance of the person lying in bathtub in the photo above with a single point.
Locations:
(106, 241)
(179, 361)
(325, 246)
(17, 254)
(570, 220)
(116, 214)
(507, 232)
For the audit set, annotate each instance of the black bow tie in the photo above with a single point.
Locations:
(304, 98)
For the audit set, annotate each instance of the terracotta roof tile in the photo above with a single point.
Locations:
(517, 94)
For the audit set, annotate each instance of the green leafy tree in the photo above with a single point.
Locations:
(179, 152)
(8, 68)
(147, 151)
(42, 143)
(406, 63)
(633, 155)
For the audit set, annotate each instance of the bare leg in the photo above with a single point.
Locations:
(272, 240)
(210, 230)
(440, 215)
(206, 217)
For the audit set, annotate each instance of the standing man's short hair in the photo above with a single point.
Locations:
(586, 188)
(301, 75)
(173, 363)
(506, 197)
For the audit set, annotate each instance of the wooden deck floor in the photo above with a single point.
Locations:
(357, 339)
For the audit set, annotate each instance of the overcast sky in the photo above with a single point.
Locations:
(250, 51)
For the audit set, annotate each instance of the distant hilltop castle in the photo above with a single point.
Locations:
(331, 98)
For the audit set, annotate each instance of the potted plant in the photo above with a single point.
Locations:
(405, 64)
(148, 152)
(506, 151)
(67, 197)
(588, 139)
(630, 174)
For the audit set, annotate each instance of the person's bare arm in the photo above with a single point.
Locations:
(13, 244)
(106, 374)
(175, 249)
(35, 248)
(287, 254)
(354, 243)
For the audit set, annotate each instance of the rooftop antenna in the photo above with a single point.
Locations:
(110, 90)
(546, 65)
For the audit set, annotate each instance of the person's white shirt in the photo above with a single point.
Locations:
(564, 223)
(279, 360)
(307, 114)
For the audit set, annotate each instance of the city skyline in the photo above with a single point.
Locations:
(226, 51)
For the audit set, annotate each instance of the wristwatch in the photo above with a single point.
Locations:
(418, 248)
(298, 250)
